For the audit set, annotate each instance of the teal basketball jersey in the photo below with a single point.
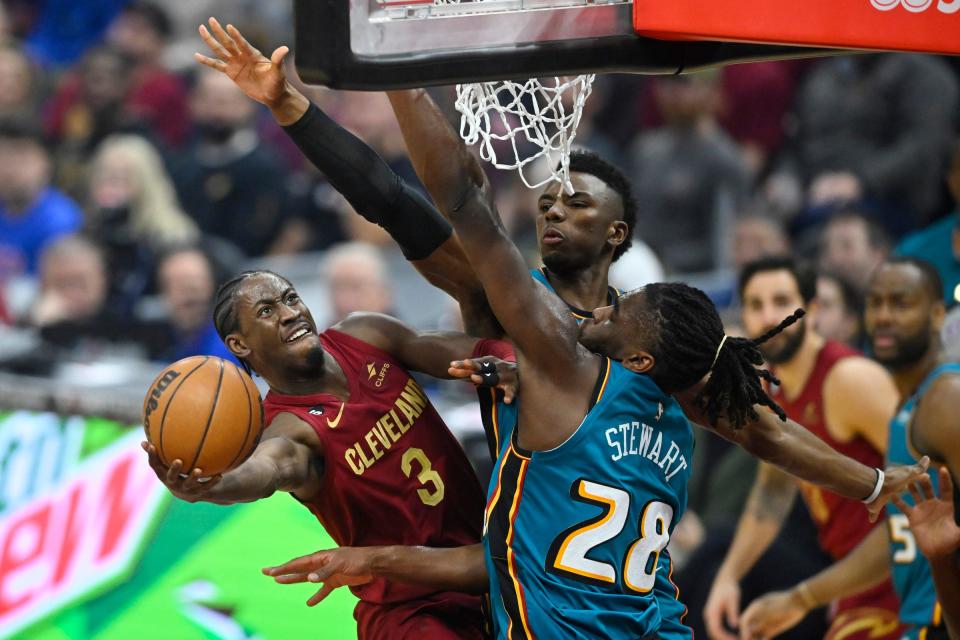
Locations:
(576, 536)
(540, 275)
(911, 572)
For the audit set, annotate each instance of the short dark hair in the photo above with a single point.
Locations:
(225, 319)
(931, 277)
(877, 235)
(590, 163)
(852, 297)
(691, 341)
(154, 15)
(804, 275)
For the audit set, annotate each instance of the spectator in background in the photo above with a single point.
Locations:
(839, 310)
(854, 245)
(755, 235)
(188, 282)
(32, 213)
(73, 287)
(159, 97)
(689, 175)
(17, 90)
(227, 181)
(940, 242)
(86, 109)
(358, 280)
(133, 211)
(875, 127)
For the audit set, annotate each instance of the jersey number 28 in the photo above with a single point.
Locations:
(568, 552)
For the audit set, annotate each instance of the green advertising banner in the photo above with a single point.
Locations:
(93, 546)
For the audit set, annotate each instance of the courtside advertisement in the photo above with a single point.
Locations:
(93, 546)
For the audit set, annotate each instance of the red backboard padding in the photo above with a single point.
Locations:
(905, 25)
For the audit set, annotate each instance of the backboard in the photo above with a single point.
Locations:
(383, 44)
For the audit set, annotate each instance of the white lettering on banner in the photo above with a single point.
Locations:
(917, 6)
(78, 535)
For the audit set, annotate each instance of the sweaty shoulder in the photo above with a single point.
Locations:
(289, 426)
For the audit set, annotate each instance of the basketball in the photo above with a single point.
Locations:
(205, 412)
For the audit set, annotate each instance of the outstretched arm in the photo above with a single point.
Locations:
(285, 460)
(356, 171)
(794, 450)
(446, 569)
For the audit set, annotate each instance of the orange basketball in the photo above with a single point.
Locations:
(205, 412)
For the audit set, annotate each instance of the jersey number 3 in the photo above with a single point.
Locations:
(426, 476)
(568, 552)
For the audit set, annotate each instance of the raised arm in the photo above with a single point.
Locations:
(766, 510)
(444, 569)
(285, 460)
(374, 190)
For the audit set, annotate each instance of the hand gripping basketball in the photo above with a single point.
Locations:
(189, 487)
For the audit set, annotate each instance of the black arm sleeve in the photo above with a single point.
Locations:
(369, 185)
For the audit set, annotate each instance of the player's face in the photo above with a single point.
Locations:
(576, 231)
(277, 328)
(901, 316)
(614, 330)
(768, 298)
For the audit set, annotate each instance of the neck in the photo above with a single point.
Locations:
(794, 373)
(586, 289)
(908, 377)
(331, 379)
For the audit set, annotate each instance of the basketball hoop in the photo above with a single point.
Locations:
(540, 112)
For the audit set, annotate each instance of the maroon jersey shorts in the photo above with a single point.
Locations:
(870, 614)
(421, 619)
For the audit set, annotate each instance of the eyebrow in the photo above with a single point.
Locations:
(283, 294)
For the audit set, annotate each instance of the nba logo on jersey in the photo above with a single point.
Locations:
(316, 411)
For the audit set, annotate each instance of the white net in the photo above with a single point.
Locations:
(519, 123)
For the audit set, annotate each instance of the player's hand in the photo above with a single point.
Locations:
(190, 487)
(723, 605)
(772, 614)
(345, 566)
(932, 519)
(506, 378)
(262, 79)
(897, 480)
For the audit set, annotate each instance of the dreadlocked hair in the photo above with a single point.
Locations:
(689, 332)
(225, 319)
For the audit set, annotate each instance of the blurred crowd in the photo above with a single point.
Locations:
(133, 181)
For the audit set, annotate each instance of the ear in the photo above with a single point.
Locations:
(811, 309)
(617, 232)
(237, 346)
(937, 315)
(639, 362)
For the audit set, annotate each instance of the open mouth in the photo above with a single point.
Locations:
(300, 333)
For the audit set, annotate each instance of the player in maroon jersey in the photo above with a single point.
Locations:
(842, 397)
(353, 437)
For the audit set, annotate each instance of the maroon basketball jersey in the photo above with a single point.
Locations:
(393, 473)
(841, 522)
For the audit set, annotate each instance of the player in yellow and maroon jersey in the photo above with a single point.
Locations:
(353, 437)
(843, 398)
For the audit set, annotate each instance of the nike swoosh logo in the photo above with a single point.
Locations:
(336, 421)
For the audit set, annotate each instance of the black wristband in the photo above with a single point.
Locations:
(488, 371)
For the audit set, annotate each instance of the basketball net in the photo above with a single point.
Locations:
(540, 113)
